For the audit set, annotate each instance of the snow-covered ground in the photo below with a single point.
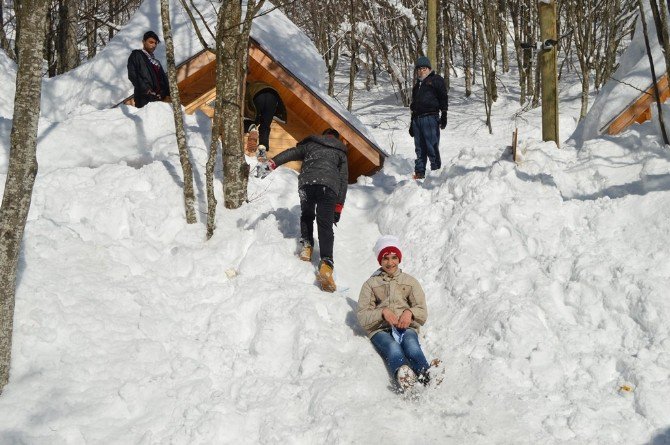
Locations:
(545, 285)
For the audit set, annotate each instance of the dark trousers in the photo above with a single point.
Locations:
(266, 102)
(426, 142)
(318, 201)
(143, 99)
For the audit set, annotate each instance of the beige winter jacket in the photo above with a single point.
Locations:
(399, 292)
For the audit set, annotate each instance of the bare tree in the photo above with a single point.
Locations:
(472, 40)
(353, 49)
(187, 170)
(68, 51)
(22, 166)
(660, 13)
(232, 52)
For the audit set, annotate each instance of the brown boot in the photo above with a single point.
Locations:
(306, 252)
(325, 275)
(251, 147)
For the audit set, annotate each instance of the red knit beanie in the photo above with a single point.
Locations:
(385, 245)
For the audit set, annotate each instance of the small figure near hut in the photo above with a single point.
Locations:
(322, 187)
(261, 104)
(391, 308)
(146, 73)
(429, 114)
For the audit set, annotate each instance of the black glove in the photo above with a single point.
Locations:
(411, 129)
(443, 120)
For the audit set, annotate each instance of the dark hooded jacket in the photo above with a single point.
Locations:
(324, 162)
(429, 95)
(144, 78)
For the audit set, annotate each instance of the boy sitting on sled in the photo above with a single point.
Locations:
(391, 308)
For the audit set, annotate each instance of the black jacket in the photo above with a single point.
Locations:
(144, 78)
(324, 162)
(429, 95)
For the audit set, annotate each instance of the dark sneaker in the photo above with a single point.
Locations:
(418, 176)
(424, 378)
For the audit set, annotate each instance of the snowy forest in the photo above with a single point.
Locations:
(151, 283)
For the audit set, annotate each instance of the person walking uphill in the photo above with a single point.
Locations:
(391, 308)
(429, 114)
(146, 73)
(262, 103)
(322, 187)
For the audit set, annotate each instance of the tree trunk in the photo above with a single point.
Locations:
(488, 75)
(22, 167)
(231, 61)
(217, 123)
(68, 53)
(51, 42)
(91, 31)
(235, 56)
(189, 196)
(352, 60)
(331, 58)
(661, 19)
(4, 43)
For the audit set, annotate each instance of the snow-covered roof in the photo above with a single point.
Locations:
(102, 81)
(632, 77)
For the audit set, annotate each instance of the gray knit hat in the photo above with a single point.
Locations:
(422, 61)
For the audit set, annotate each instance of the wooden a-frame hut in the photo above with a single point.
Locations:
(307, 112)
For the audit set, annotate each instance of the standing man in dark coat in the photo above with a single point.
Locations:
(429, 114)
(146, 73)
(322, 187)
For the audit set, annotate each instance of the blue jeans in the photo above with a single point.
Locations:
(426, 142)
(395, 355)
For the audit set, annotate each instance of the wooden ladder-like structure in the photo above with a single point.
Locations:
(639, 110)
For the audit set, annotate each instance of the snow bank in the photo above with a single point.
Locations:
(546, 285)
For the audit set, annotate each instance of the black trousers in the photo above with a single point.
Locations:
(143, 99)
(266, 102)
(318, 201)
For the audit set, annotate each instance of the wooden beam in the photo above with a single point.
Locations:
(639, 110)
(195, 64)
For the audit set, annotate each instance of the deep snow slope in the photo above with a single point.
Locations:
(546, 286)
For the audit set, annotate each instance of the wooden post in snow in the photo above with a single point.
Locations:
(548, 68)
(431, 31)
